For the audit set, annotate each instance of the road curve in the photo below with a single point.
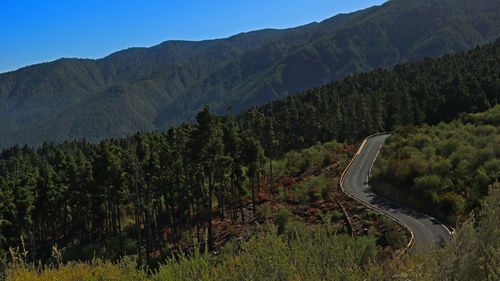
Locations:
(427, 231)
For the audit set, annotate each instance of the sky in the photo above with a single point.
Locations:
(35, 31)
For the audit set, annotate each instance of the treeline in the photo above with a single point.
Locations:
(427, 91)
(78, 192)
(444, 169)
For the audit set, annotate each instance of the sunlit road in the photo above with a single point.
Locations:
(427, 230)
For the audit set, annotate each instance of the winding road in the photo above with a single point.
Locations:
(427, 231)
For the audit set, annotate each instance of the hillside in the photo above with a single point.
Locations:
(152, 88)
(444, 170)
(426, 91)
(314, 252)
(176, 176)
(298, 237)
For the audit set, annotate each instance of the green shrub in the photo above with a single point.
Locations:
(282, 218)
(420, 141)
(449, 165)
(95, 270)
(337, 215)
(472, 254)
(295, 228)
(315, 188)
(264, 211)
(428, 182)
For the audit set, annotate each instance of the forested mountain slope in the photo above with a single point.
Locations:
(426, 91)
(152, 88)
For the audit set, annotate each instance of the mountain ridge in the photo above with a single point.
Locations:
(154, 88)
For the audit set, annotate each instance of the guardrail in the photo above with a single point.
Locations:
(341, 182)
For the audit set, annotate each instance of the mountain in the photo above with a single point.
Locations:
(153, 88)
(428, 91)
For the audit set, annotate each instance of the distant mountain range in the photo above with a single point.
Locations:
(153, 88)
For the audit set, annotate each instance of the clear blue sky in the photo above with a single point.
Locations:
(34, 31)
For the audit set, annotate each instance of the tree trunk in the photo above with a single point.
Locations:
(159, 206)
(253, 196)
(221, 202)
(241, 203)
(113, 214)
(271, 173)
(138, 225)
(119, 226)
(147, 221)
(259, 178)
(198, 219)
(233, 215)
(210, 194)
(107, 219)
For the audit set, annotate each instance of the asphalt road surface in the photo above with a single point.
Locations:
(427, 231)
